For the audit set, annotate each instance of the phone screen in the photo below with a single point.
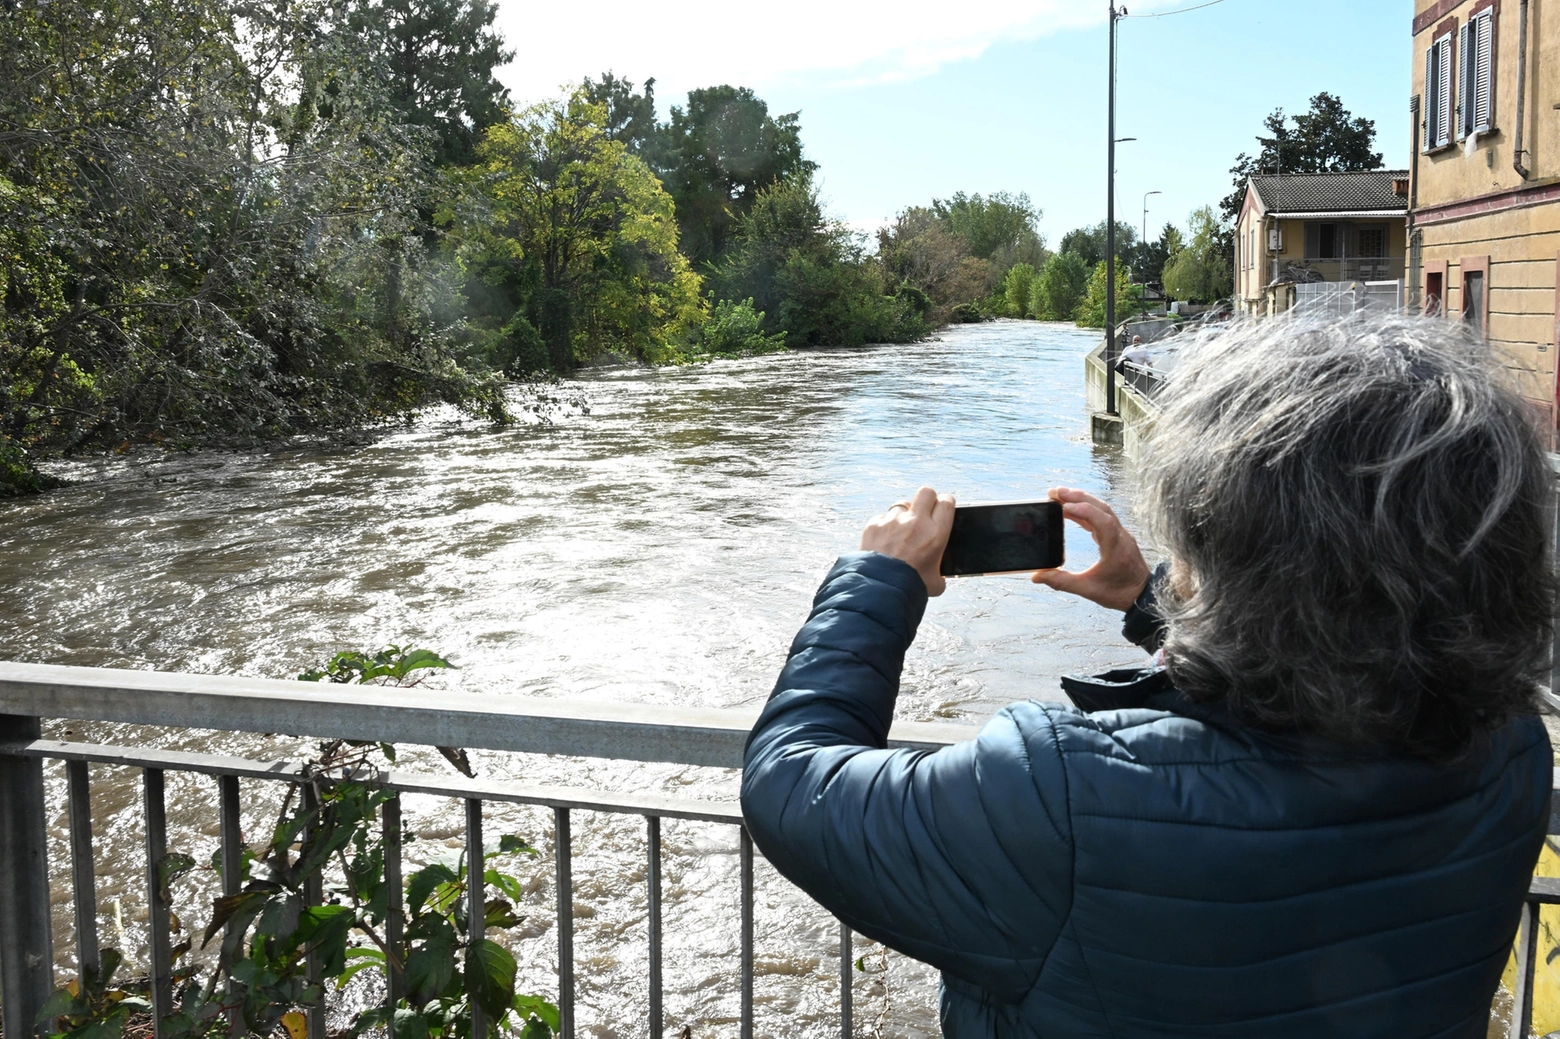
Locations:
(1004, 538)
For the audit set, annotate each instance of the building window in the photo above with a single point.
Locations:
(1251, 248)
(1434, 286)
(1372, 242)
(1473, 300)
(1438, 93)
(1476, 52)
(1327, 242)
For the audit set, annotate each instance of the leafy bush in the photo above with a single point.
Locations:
(735, 329)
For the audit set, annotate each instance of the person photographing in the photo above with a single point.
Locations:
(1318, 817)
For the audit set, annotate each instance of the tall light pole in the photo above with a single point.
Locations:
(1144, 240)
(1110, 220)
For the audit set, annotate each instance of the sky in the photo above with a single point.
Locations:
(902, 103)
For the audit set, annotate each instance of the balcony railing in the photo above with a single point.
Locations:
(1314, 269)
(30, 693)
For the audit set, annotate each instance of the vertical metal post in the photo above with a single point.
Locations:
(83, 878)
(746, 855)
(847, 980)
(476, 903)
(395, 914)
(1110, 225)
(1527, 960)
(26, 942)
(313, 895)
(157, 917)
(565, 865)
(232, 870)
(653, 829)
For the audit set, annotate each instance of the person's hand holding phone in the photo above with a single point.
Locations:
(1121, 573)
(916, 532)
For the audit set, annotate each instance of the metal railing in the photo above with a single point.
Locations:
(1146, 379)
(32, 692)
(688, 736)
(1355, 268)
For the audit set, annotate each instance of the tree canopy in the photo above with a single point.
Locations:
(1327, 138)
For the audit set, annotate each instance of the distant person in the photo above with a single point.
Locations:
(1319, 817)
(1137, 353)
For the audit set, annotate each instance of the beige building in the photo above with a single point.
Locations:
(1326, 237)
(1484, 221)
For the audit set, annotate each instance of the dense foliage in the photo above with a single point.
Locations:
(1327, 138)
(259, 219)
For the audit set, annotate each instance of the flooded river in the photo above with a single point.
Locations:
(660, 545)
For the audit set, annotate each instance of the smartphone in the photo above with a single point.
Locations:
(1004, 537)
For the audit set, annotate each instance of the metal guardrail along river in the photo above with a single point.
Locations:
(32, 692)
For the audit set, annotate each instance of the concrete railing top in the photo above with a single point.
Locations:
(524, 724)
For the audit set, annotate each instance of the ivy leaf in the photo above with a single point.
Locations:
(499, 913)
(240, 908)
(514, 844)
(490, 976)
(424, 881)
(325, 929)
(409, 1024)
(537, 1007)
(431, 968)
(509, 885)
(364, 958)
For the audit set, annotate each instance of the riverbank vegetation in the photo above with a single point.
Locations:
(236, 222)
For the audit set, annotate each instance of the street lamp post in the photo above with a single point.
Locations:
(1144, 240)
(1110, 219)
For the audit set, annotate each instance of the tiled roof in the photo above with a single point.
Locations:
(1329, 192)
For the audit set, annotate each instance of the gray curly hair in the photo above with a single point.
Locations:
(1360, 509)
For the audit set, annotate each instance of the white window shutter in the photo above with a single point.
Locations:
(1483, 87)
(1443, 120)
(1431, 103)
(1467, 40)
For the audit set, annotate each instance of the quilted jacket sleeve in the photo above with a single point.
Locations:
(961, 858)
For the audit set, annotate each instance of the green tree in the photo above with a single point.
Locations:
(1089, 242)
(568, 238)
(1091, 312)
(1327, 138)
(809, 275)
(716, 154)
(1201, 272)
(1059, 288)
(630, 113)
(1015, 289)
(999, 228)
(437, 57)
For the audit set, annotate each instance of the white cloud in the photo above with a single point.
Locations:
(823, 43)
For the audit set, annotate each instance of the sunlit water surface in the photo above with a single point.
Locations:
(661, 548)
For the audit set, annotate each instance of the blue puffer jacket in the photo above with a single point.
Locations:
(1153, 870)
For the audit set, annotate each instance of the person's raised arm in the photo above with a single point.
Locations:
(961, 857)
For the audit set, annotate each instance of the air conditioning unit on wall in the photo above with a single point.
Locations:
(1275, 239)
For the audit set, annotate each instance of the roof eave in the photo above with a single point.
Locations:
(1336, 214)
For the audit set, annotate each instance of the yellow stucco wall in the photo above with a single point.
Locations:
(1522, 246)
(1451, 173)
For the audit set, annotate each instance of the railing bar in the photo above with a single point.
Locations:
(653, 876)
(565, 865)
(313, 895)
(404, 782)
(158, 909)
(1527, 962)
(476, 902)
(745, 843)
(847, 983)
(83, 879)
(26, 940)
(395, 919)
(232, 871)
(633, 732)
